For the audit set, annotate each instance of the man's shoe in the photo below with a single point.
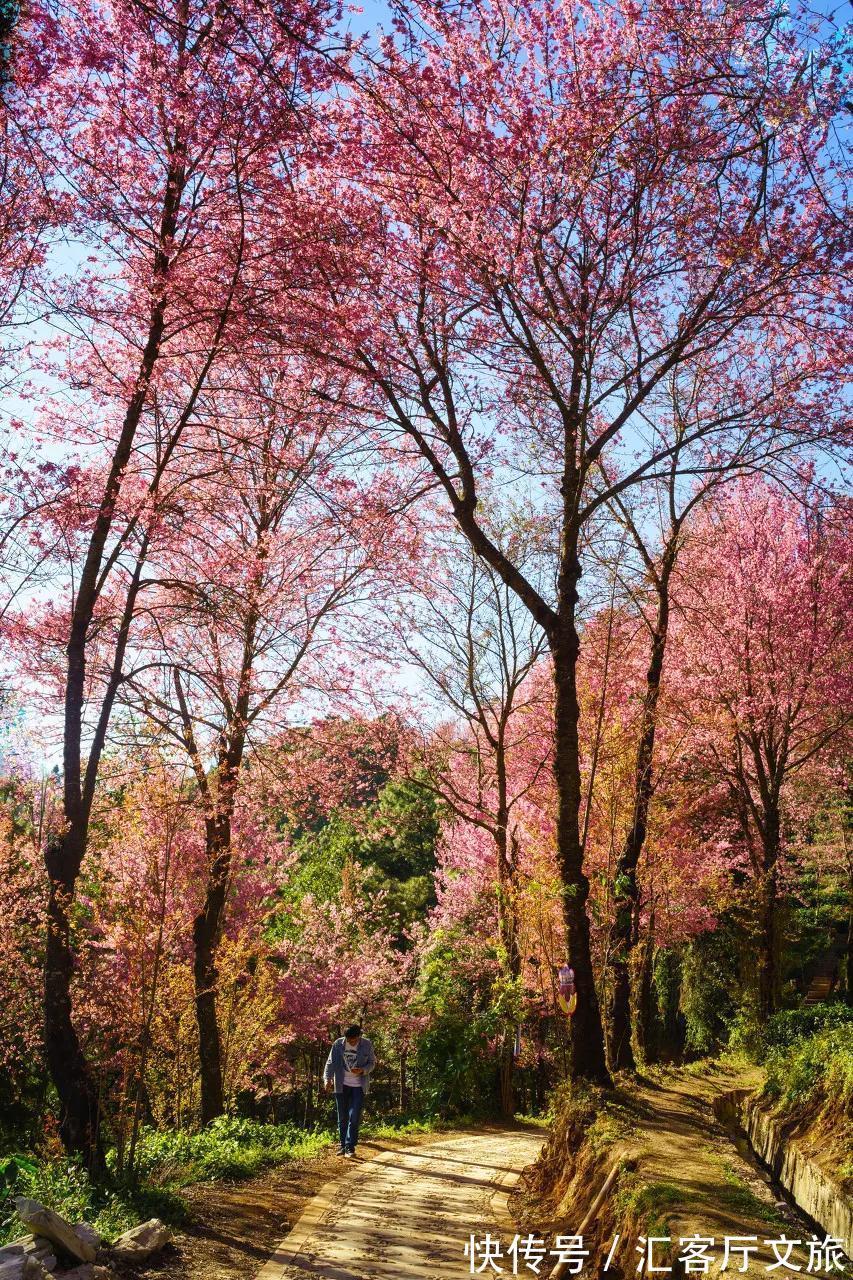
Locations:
(340, 1152)
(349, 1153)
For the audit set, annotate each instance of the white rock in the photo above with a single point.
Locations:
(86, 1232)
(44, 1222)
(140, 1242)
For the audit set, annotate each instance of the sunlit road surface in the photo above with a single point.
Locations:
(407, 1214)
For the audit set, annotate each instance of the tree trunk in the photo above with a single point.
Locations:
(207, 931)
(848, 978)
(309, 1092)
(79, 1110)
(643, 1017)
(507, 1064)
(586, 1033)
(80, 1113)
(768, 982)
(619, 1022)
(625, 890)
(508, 933)
(768, 977)
(79, 1118)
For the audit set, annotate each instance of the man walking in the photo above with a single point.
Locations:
(348, 1066)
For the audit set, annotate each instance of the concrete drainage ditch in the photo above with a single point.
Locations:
(821, 1199)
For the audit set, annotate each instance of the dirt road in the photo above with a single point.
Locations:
(715, 1190)
(407, 1214)
(698, 1183)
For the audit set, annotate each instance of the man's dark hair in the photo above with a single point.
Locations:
(353, 1031)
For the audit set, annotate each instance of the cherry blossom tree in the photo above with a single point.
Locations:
(30, 208)
(143, 886)
(557, 208)
(335, 764)
(477, 646)
(242, 624)
(655, 516)
(166, 128)
(32, 213)
(763, 669)
(680, 887)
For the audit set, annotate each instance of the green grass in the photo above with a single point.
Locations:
(227, 1149)
(535, 1122)
(810, 1082)
(66, 1188)
(613, 1123)
(734, 1059)
(741, 1202)
(597, 1117)
(648, 1204)
(399, 1126)
(739, 1199)
(166, 1162)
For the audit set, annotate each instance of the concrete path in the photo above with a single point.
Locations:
(408, 1213)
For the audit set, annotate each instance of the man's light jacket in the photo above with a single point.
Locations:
(335, 1065)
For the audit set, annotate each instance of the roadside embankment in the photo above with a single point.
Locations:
(678, 1175)
(819, 1194)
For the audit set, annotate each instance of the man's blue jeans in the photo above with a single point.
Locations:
(349, 1105)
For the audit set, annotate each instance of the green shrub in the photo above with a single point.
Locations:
(790, 1025)
(64, 1186)
(784, 1029)
(227, 1148)
(165, 1161)
(708, 978)
(665, 1034)
(455, 1063)
(814, 1071)
(746, 1033)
